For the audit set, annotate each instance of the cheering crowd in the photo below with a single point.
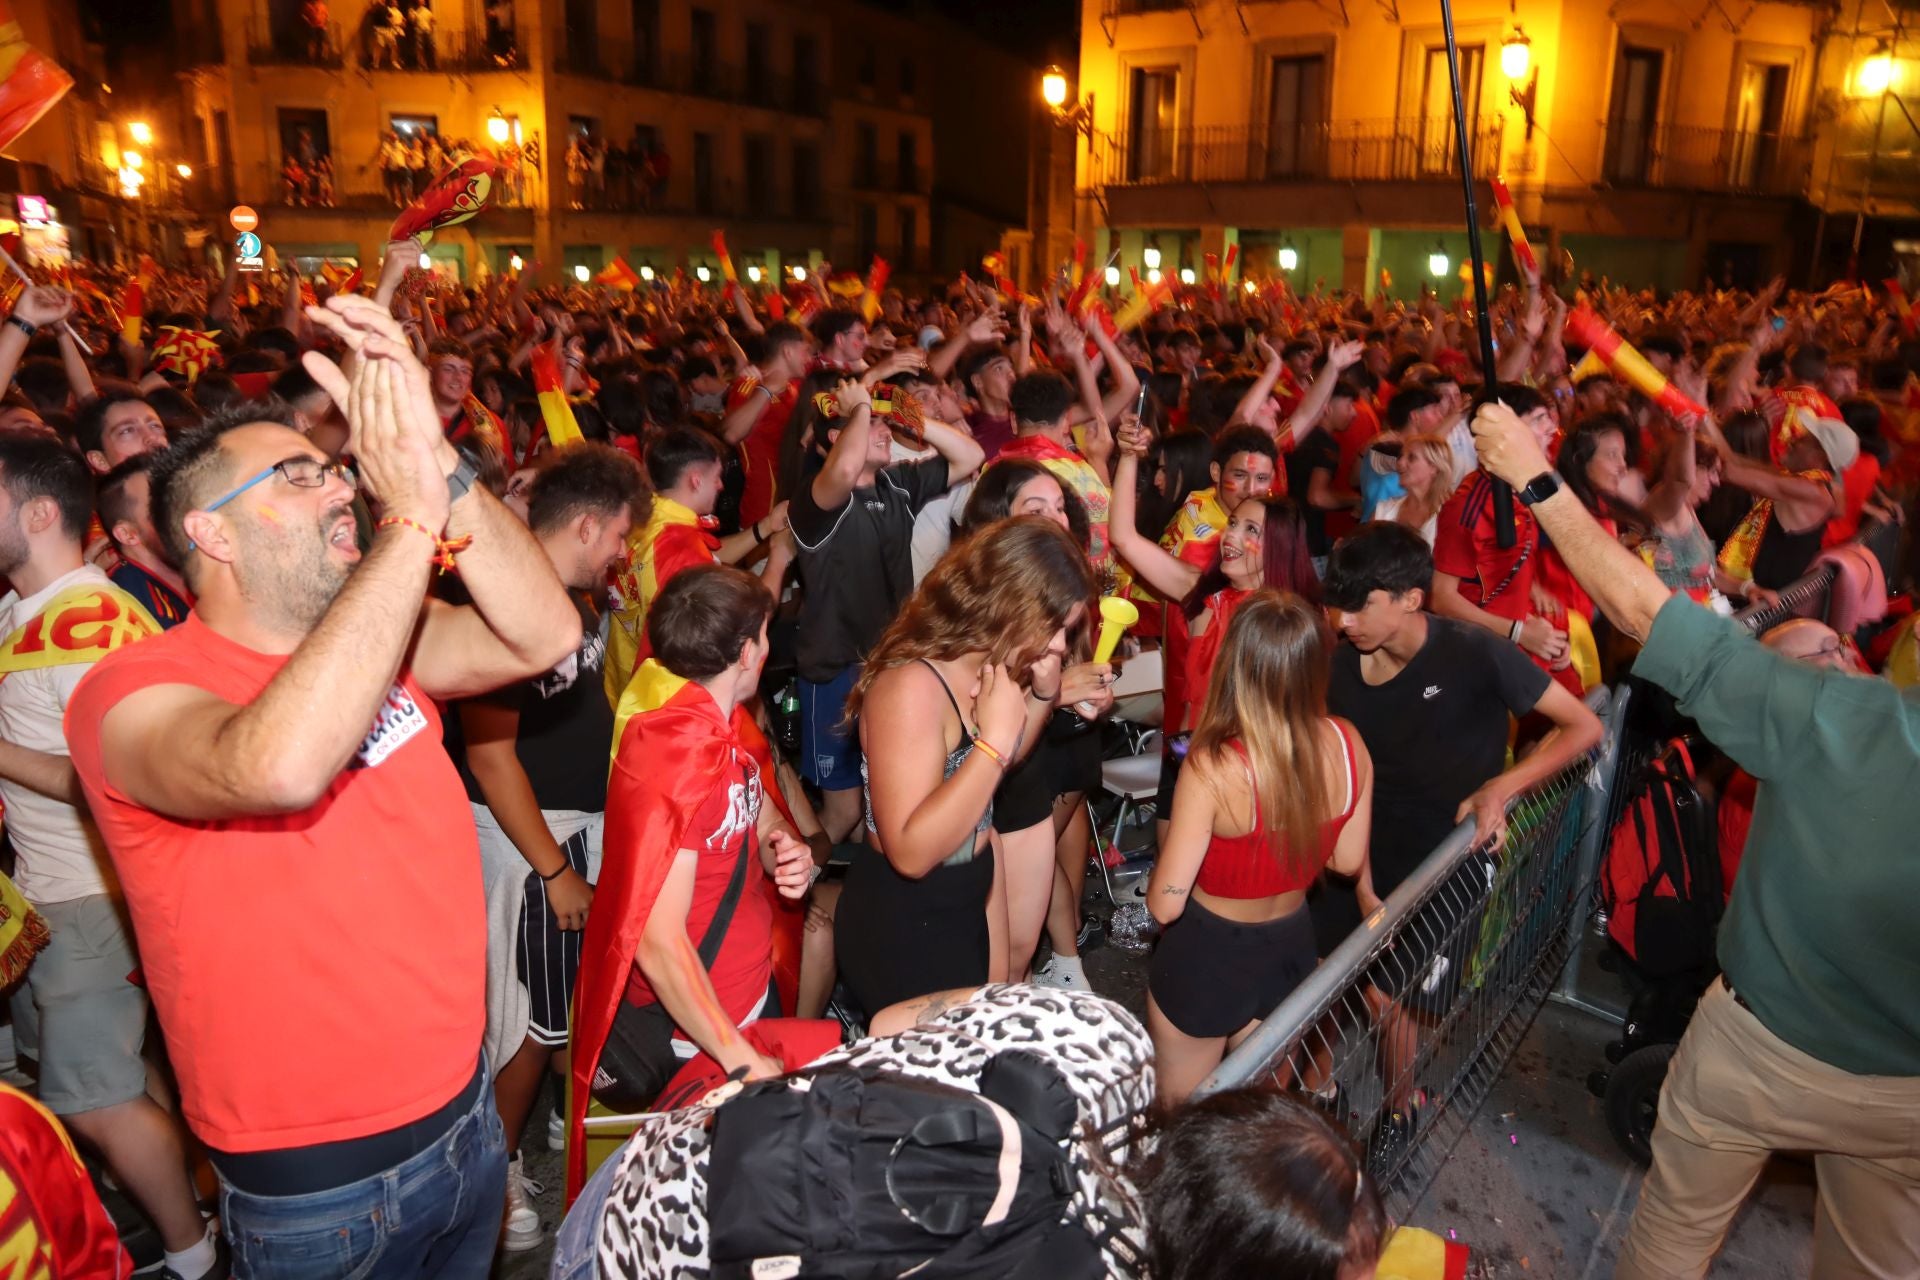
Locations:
(442, 696)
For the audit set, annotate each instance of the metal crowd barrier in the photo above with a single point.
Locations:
(1418, 1011)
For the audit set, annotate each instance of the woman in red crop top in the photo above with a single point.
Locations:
(1273, 791)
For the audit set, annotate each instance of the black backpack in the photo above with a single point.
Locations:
(859, 1172)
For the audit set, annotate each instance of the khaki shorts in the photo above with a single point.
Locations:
(78, 1015)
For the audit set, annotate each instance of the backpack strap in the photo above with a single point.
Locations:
(716, 934)
(948, 1215)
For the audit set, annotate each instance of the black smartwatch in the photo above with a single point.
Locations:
(1539, 489)
(27, 327)
(462, 478)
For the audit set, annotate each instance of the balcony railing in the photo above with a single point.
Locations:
(459, 52)
(1682, 157)
(1405, 149)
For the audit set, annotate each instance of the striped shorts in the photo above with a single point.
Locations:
(546, 957)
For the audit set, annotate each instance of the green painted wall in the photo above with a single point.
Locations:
(1633, 263)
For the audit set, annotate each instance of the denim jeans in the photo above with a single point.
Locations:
(436, 1213)
(577, 1244)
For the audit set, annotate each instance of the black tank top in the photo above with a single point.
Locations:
(1784, 556)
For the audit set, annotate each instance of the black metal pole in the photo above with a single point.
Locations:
(1503, 531)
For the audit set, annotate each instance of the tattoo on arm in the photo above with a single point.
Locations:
(1174, 891)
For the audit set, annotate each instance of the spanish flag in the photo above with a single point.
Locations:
(876, 286)
(1143, 304)
(1516, 233)
(727, 272)
(133, 311)
(30, 82)
(620, 276)
(548, 387)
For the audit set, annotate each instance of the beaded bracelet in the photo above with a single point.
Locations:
(444, 549)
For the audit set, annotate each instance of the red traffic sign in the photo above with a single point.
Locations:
(243, 218)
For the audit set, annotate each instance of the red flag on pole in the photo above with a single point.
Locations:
(30, 82)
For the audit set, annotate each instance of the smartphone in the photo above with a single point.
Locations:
(1140, 401)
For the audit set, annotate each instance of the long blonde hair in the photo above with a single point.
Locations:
(1439, 454)
(1002, 592)
(1269, 693)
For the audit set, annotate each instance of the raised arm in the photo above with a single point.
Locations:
(521, 621)
(39, 306)
(1341, 356)
(983, 328)
(834, 484)
(1263, 385)
(1170, 577)
(184, 752)
(962, 452)
(1626, 590)
(1126, 382)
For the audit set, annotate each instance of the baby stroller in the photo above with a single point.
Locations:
(1661, 889)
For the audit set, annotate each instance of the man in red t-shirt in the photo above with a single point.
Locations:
(1482, 583)
(759, 404)
(296, 849)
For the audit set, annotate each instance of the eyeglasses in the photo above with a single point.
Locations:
(302, 472)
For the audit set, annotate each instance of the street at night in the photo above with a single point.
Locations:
(1023, 639)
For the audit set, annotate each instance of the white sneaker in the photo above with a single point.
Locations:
(1065, 973)
(556, 1131)
(524, 1231)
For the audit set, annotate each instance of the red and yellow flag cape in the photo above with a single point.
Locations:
(84, 623)
(650, 809)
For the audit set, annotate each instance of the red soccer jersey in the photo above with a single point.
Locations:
(744, 965)
(1499, 580)
(761, 448)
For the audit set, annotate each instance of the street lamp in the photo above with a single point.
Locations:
(753, 273)
(1113, 277)
(646, 272)
(1153, 275)
(703, 274)
(516, 262)
(140, 133)
(800, 274)
(1150, 257)
(1289, 256)
(581, 273)
(1053, 92)
(1437, 261)
(1186, 275)
(1516, 55)
(497, 127)
(184, 170)
(1876, 74)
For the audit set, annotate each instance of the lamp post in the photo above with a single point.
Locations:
(1516, 55)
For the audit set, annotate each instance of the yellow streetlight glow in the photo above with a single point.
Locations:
(1113, 277)
(1289, 257)
(1153, 275)
(1251, 287)
(1150, 257)
(516, 262)
(1053, 88)
(184, 170)
(134, 159)
(1186, 275)
(582, 274)
(704, 274)
(1437, 262)
(497, 128)
(1876, 75)
(646, 272)
(1516, 54)
(753, 273)
(800, 274)
(140, 133)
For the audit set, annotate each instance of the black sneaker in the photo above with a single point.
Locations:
(1093, 934)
